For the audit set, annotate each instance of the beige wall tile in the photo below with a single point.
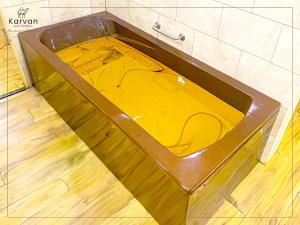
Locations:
(8, 3)
(31, 1)
(267, 78)
(97, 9)
(117, 3)
(283, 53)
(26, 73)
(277, 14)
(170, 12)
(60, 15)
(216, 53)
(143, 18)
(282, 15)
(159, 3)
(296, 14)
(174, 28)
(73, 3)
(272, 3)
(32, 13)
(206, 20)
(296, 91)
(35, 11)
(67, 10)
(296, 51)
(121, 12)
(238, 3)
(246, 5)
(140, 2)
(198, 3)
(249, 32)
(135, 3)
(97, 6)
(17, 46)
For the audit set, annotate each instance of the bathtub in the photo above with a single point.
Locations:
(171, 188)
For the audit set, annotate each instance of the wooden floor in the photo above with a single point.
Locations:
(10, 76)
(52, 173)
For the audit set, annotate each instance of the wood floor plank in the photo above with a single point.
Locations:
(53, 173)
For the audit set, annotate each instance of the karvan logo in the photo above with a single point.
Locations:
(22, 21)
(22, 12)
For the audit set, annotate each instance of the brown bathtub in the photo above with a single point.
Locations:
(161, 181)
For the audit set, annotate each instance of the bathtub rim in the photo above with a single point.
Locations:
(189, 171)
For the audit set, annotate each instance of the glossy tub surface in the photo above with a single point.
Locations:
(160, 180)
(182, 116)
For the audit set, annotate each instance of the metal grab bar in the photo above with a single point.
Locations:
(157, 27)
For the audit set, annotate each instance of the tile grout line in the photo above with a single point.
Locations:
(128, 11)
(176, 10)
(238, 64)
(280, 32)
(220, 21)
(158, 17)
(253, 6)
(194, 37)
(51, 14)
(90, 7)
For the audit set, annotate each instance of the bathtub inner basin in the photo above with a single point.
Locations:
(178, 113)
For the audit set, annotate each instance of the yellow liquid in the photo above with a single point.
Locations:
(181, 115)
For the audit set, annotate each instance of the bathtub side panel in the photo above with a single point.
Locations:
(208, 198)
(153, 187)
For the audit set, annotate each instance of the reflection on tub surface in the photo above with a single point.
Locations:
(181, 115)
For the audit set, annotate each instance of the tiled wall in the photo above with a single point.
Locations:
(251, 44)
(47, 12)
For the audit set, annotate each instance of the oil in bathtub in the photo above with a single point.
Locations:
(181, 115)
